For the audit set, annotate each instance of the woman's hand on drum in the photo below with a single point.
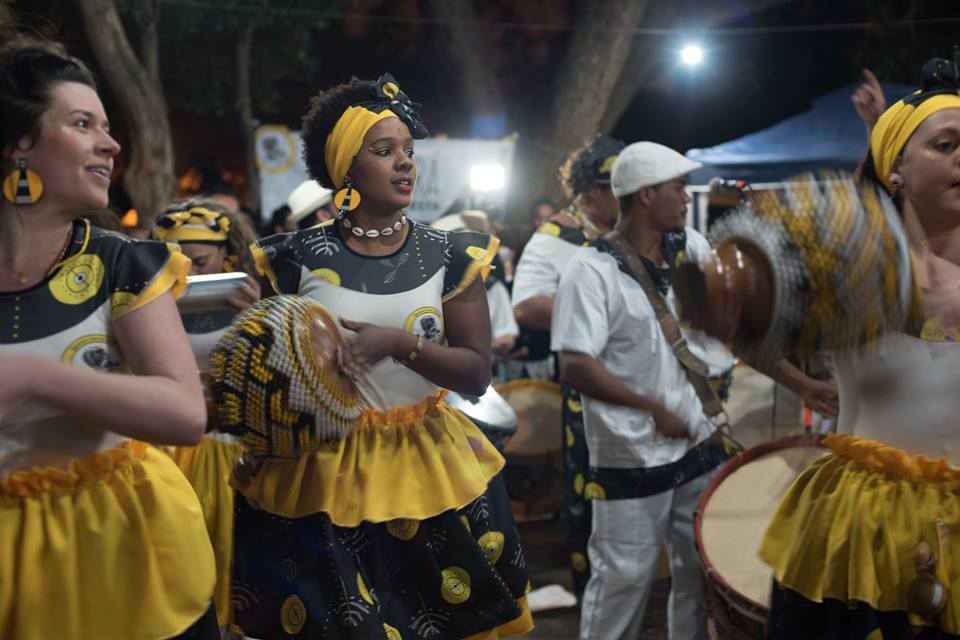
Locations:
(669, 424)
(370, 344)
(821, 397)
(248, 293)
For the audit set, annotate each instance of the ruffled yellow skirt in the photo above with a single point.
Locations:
(432, 456)
(208, 466)
(848, 527)
(114, 547)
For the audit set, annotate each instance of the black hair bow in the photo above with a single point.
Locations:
(391, 96)
(940, 77)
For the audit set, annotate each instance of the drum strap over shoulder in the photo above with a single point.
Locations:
(695, 368)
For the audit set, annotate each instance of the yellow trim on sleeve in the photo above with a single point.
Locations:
(172, 277)
(479, 266)
(264, 268)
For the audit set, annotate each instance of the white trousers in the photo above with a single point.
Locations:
(624, 548)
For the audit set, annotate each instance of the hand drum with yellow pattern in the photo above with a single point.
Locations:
(276, 379)
(821, 263)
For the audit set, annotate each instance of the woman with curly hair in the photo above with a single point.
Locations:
(216, 240)
(102, 536)
(402, 528)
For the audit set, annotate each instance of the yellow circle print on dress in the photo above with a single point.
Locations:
(570, 437)
(293, 615)
(392, 632)
(593, 491)
(455, 585)
(403, 528)
(578, 483)
(492, 544)
(578, 561)
(78, 279)
(362, 588)
(574, 406)
(328, 275)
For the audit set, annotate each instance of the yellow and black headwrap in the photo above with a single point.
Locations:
(345, 139)
(197, 224)
(941, 83)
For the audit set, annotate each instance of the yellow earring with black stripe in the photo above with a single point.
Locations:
(347, 198)
(22, 186)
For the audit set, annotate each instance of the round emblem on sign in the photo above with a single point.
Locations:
(276, 149)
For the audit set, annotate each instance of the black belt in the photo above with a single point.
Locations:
(609, 483)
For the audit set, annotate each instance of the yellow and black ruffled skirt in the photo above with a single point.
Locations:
(400, 530)
(113, 547)
(209, 466)
(847, 530)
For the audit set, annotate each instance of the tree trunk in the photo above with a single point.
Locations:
(245, 112)
(590, 69)
(149, 178)
(149, 46)
(8, 23)
(466, 48)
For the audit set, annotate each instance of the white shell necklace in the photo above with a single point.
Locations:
(372, 233)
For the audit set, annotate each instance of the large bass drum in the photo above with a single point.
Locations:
(534, 471)
(729, 525)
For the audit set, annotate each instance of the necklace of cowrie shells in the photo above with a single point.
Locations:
(372, 233)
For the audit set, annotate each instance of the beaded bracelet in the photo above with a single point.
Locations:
(413, 354)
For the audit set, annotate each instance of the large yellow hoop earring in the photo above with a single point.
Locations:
(22, 186)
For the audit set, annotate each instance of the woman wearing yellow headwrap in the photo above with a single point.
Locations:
(401, 528)
(216, 240)
(866, 543)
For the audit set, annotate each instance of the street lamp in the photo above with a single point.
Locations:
(691, 55)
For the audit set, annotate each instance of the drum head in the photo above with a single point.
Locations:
(735, 510)
(538, 405)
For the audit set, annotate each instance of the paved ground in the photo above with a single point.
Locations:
(757, 414)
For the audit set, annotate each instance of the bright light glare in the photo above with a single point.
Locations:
(691, 55)
(487, 177)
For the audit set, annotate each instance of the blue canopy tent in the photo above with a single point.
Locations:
(828, 136)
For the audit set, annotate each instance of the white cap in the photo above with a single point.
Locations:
(469, 220)
(643, 164)
(307, 198)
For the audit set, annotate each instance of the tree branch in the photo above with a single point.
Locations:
(149, 178)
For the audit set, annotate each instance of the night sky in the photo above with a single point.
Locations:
(747, 82)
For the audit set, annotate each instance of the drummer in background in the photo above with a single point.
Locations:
(217, 241)
(310, 204)
(585, 177)
(650, 450)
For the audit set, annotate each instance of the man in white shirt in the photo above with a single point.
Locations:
(651, 455)
(585, 177)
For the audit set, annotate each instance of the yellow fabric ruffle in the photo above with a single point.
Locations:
(849, 525)
(479, 267)
(172, 277)
(517, 627)
(415, 468)
(112, 547)
(208, 466)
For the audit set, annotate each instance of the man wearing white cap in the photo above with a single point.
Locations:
(310, 204)
(648, 433)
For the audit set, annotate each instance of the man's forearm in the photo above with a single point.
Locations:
(588, 376)
(535, 313)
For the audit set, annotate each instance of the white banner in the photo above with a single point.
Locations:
(443, 171)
